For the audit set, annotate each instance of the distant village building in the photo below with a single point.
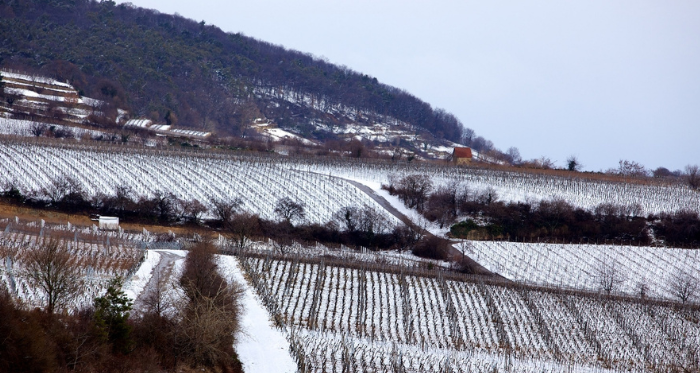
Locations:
(139, 123)
(462, 155)
(165, 129)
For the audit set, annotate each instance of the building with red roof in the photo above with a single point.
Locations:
(462, 155)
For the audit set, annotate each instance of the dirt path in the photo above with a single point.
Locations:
(161, 273)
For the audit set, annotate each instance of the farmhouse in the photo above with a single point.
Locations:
(462, 155)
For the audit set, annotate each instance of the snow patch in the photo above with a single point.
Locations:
(261, 347)
(138, 281)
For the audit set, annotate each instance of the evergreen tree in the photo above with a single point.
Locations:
(112, 315)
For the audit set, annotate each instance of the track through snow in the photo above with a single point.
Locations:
(260, 346)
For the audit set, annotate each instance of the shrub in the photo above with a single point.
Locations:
(432, 247)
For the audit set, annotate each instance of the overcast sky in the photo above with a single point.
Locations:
(603, 80)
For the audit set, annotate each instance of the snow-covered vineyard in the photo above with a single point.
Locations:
(344, 320)
(626, 269)
(521, 186)
(97, 258)
(348, 310)
(259, 182)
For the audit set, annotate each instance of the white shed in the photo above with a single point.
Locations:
(109, 222)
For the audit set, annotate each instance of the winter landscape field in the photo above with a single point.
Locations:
(546, 309)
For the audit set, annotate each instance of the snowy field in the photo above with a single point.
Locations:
(98, 258)
(319, 183)
(385, 257)
(20, 127)
(587, 266)
(348, 320)
(259, 182)
(520, 187)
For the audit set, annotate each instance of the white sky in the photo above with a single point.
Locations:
(600, 79)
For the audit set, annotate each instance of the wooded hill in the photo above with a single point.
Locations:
(176, 70)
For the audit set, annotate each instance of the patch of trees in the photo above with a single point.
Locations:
(170, 68)
(196, 332)
(553, 220)
(547, 220)
(681, 227)
(351, 226)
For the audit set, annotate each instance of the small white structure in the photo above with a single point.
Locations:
(160, 127)
(108, 222)
(141, 123)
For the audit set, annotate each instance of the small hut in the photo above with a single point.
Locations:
(108, 222)
(462, 156)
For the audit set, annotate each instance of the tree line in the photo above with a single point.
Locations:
(353, 226)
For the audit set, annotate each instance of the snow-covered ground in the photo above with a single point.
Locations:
(19, 127)
(261, 347)
(35, 78)
(585, 266)
(138, 281)
(509, 186)
(396, 203)
(344, 319)
(260, 183)
(99, 258)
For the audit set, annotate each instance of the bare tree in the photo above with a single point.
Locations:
(642, 288)
(347, 218)
(156, 300)
(372, 222)
(631, 168)
(467, 136)
(413, 190)
(64, 188)
(573, 164)
(283, 244)
(57, 190)
(51, 268)
(662, 172)
(407, 235)
(289, 210)
(683, 286)
(37, 128)
(123, 198)
(692, 176)
(224, 210)
(365, 220)
(609, 277)
(208, 326)
(243, 226)
(486, 196)
(442, 204)
(513, 156)
(192, 211)
(165, 204)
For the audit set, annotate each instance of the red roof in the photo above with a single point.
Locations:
(462, 153)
